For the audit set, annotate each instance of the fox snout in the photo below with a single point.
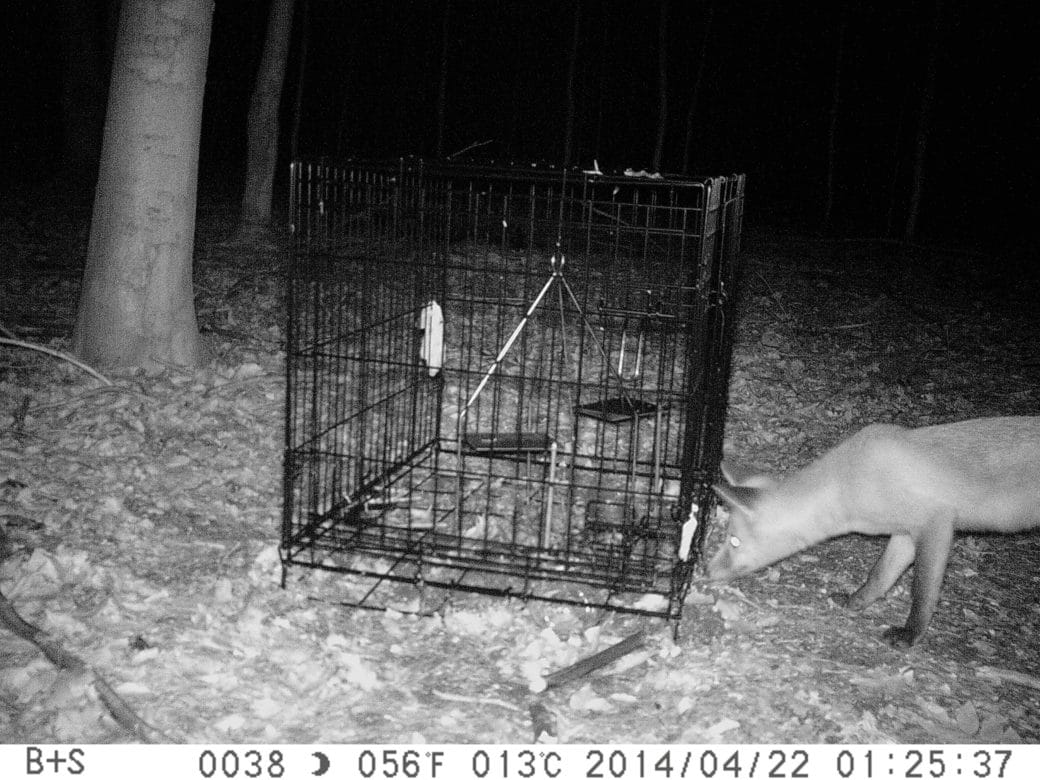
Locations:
(722, 566)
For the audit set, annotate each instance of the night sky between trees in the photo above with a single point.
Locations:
(372, 69)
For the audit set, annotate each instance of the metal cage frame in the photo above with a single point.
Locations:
(506, 381)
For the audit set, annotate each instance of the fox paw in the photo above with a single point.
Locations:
(900, 638)
(849, 601)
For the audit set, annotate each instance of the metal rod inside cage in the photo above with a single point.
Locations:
(508, 345)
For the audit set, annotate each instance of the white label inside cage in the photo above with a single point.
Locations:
(687, 534)
(431, 322)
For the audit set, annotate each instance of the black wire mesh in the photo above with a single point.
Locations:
(506, 381)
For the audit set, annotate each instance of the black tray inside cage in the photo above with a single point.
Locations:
(507, 443)
(616, 410)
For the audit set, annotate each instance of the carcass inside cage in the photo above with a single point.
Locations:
(504, 382)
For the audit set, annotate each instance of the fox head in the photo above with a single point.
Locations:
(768, 521)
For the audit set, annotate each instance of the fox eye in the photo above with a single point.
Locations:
(734, 541)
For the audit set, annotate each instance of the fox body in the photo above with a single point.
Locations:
(916, 486)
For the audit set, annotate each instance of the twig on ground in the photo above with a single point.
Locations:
(602, 658)
(474, 700)
(1010, 675)
(55, 353)
(65, 660)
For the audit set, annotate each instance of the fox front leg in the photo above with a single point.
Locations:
(933, 553)
(889, 567)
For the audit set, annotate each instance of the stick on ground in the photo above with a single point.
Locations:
(593, 662)
(63, 659)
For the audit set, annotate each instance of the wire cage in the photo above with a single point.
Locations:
(506, 381)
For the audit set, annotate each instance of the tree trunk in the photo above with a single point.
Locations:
(346, 94)
(832, 131)
(294, 137)
(136, 305)
(511, 130)
(572, 69)
(262, 124)
(894, 201)
(924, 126)
(662, 85)
(605, 38)
(691, 111)
(442, 86)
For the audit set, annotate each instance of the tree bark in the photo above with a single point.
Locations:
(262, 124)
(136, 305)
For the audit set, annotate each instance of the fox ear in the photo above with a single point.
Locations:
(742, 498)
(745, 477)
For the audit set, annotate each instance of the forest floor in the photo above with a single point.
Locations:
(140, 524)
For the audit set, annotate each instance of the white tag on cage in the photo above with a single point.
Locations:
(431, 322)
(686, 539)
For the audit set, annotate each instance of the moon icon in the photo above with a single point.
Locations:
(323, 764)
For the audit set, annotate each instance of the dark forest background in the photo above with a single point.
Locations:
(371, 73)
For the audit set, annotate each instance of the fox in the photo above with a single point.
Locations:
(918, 486)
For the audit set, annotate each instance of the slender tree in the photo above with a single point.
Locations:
(897, 158)
(605, 37)
(111, 27)
(514, 10)
(695, 91)
(442, 84)
(832, 131)
(572, 71)
(924, 121)
(305, 32)
(262, 124)
(346, 94)
(662, 84)
(136, 304)
(83, 86)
